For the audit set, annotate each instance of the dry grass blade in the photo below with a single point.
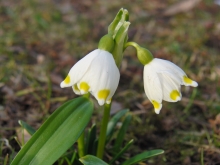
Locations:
(181, 7)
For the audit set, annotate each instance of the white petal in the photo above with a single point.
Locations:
(102, 77)
(108, 101)
(157, 110)
(79, 69)
(109, 79)
(83, 85)
(76, 89)
(170, 87)
(167, 65)
(164, 65)
(152, 86)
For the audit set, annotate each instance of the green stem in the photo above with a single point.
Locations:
(81, 142)
(186, 110)
(135, 45)
(102, 136)
(81, 145)
(143, 55)
(87, 95)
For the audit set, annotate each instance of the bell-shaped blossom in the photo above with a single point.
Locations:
(163, 80)
(96, 73)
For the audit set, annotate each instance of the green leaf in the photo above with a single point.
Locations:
(114, 120)
(118, 21)
(29, 129)
(120, 40)
(114, 24)
(121, 152)
(92, 160)
(118, 29)
(91, 140)
(125, 15)
(94, 147)
(143, 156)
(57, 134)
(121, 134)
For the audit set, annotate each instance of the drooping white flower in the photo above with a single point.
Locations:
(96, 73)
(163, 80)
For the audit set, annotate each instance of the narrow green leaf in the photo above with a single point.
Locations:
(6, 159)
(73, 157)
(192, 97)
(94, 147)
(118, 21)
(143, 156)
(120, 38)
(121, 134)
(91, 140)
(114, 24)
(112, 123)
(81, 145)
(122, 151)
(92, 160)
(57, 134)
(70, 157)
(29, 129)
(126, 15)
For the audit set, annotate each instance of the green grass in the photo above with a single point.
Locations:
(40, 41)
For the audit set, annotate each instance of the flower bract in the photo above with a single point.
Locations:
(163, 80)
(96, 73)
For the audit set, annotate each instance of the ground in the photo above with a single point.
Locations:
(41, 40)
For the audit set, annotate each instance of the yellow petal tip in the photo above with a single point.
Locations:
(190, 82)
(157, 106)
(103, 94)
(84, 87)
(76, 89)
(67, 79)
(175, 95)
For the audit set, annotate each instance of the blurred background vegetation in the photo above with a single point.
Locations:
(40, 40)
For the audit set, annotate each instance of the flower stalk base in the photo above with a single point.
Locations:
(102, 136)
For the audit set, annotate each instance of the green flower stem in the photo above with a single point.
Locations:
(81, 145)
(143, 54)
(81, 140)
(131, 44)
(102, 136)
(87, 95)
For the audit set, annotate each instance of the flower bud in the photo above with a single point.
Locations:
(106, 43)
(143, 54)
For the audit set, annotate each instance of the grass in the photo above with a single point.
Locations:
(41, 40)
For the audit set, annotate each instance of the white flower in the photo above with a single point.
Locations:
(96, 73)
(162, 81)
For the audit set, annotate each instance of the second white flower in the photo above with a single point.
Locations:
(163, 80)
